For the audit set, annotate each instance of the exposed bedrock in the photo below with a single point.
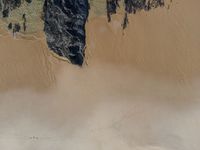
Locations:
(64, 26)
(8, 5)
(131, 6)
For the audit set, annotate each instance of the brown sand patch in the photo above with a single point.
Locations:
(24, 64)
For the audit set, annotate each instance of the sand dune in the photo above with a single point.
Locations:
(139, 88)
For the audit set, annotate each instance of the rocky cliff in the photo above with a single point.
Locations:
(64, 26)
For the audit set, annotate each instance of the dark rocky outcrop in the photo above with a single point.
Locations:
(125, 21)
(8, 5)
(131, 6)
(64, 26)
(24, 22)
(29, 1)
(111, 7)
(10, 25)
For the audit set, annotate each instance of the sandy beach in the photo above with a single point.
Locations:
(137, 90)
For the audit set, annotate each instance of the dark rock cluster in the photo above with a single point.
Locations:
(29, 1)
(131, 6)
(8, 5)
(64, 26)
(64, 22)
(111, 6)
(16, 27)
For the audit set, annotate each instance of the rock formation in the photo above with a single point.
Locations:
(8, 5)
(131, 6)
(64, 26)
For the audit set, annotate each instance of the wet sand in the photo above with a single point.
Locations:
(138, 89)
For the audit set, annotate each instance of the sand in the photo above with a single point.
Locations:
(138, 89)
